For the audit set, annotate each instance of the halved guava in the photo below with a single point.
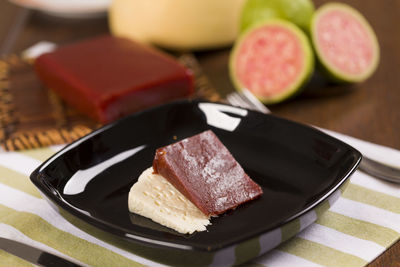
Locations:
(345, 43)
(273, 60)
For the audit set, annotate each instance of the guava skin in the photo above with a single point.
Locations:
(298, 12)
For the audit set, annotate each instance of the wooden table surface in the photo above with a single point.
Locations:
(369, 110)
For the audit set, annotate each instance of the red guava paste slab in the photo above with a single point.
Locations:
(110, 77)
(345, 42)
(203, 170)
(270, 60)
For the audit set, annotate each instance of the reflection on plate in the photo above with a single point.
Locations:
(298, 167)
(68, 8)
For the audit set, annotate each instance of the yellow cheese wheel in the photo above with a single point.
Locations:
(177, 24)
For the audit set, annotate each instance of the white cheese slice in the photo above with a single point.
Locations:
(152, 196)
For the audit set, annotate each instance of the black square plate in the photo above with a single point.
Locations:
(298, 167)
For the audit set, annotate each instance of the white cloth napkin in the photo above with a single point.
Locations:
(357, 228)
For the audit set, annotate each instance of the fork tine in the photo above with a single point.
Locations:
(245, 102)
(248, 101)
(231, 98)
(236, 100)
(254, 100)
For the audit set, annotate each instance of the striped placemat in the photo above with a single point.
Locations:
(357, 228)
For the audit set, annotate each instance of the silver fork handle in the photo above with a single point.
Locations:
(380, 170)
(246, 99)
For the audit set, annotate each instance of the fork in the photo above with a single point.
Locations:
(245, 99)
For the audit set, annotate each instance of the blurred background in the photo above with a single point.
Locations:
(372, 104)
(369, 110)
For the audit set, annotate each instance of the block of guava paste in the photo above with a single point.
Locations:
(109, 77)
(203, 170)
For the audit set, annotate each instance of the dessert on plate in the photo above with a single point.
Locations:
(190, 181)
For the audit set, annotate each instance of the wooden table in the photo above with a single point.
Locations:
(370, 110)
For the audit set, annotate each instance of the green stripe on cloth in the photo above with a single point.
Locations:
(40, 153)
(344, 186)
(18, 181)
(80, 249)
(320, 254)
(247, 250)
(290, 229)
(358, 228)
(164, 256)
(7, 259)
(373, 198)
(322, 208)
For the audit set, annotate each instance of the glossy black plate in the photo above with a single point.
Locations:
(297, 166)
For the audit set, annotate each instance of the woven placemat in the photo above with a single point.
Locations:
(31, 116)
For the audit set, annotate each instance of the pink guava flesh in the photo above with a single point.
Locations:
(344, 42)
(270, 60)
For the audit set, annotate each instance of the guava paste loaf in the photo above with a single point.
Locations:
(203, 170)
(109, 77)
